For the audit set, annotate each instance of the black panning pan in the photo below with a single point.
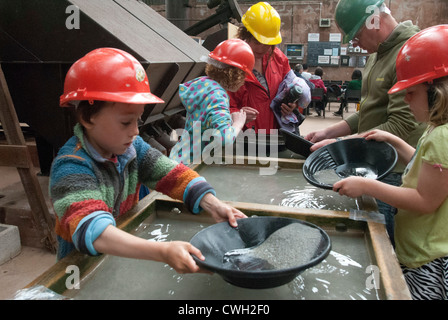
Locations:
(349, 157)
(219, 241)
(296, 143)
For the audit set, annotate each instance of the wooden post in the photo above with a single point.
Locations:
(16, 154)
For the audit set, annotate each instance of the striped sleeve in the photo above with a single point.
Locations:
(174, 179)
(75, 193)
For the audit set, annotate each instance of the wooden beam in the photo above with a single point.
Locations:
(14, 156)
(17, 148)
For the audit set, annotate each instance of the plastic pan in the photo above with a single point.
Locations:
(349, 157)
(218, 240)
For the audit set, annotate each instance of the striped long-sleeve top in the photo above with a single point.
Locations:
(88, 192)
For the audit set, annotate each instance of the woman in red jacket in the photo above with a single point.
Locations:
(261, 31)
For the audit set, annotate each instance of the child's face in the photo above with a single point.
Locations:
(417, 98)
(112, 130)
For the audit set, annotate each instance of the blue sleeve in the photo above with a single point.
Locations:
(195, 191)
(89, 229)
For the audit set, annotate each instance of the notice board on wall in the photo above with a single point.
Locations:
(321, 53)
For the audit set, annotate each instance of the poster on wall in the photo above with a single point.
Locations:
(319, 53)
(335, 60)
(323, 60)
(335, 37)
(313, 37)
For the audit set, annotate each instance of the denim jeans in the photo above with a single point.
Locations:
(387, 210)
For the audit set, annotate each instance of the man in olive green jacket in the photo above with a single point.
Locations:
(369, 24)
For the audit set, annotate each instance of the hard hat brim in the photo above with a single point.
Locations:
(123, 97)
(263, 39)
(266, 40)
(426, 77)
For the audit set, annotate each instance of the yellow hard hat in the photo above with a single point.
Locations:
(263, 22)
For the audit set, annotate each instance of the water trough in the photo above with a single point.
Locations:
(358, 247)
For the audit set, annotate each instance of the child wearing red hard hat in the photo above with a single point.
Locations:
(97, 174)
(421, 223)
(206, 101)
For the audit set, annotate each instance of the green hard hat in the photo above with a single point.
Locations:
(352, 14)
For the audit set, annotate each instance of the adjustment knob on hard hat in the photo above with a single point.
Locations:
(263, 22)
(107, 74)
(236, 53)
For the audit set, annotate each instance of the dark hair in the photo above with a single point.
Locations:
(305, 66)
(319, 72)
(245, 35)
(357, 74)
(86, 110)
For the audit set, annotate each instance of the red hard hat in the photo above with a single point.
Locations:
(423, 58)
(236, 53)
(107, 74)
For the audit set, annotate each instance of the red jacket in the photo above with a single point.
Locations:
(253, 94)
(318, 83)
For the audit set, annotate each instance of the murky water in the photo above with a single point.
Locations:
(342, 275)
(286, 188)
(331, 176)
(327, 176)
(357, 169)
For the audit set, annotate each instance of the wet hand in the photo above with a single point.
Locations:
(352, 187)
(178, 255)
(221, 211)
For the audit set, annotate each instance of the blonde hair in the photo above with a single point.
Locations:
(229, 78)
(438, 114)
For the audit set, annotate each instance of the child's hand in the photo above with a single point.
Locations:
(238, 119)
(221, 211)
(352, 187)
(178, 255)
(378, 135)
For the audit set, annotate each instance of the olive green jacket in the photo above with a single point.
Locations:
(378, 109)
